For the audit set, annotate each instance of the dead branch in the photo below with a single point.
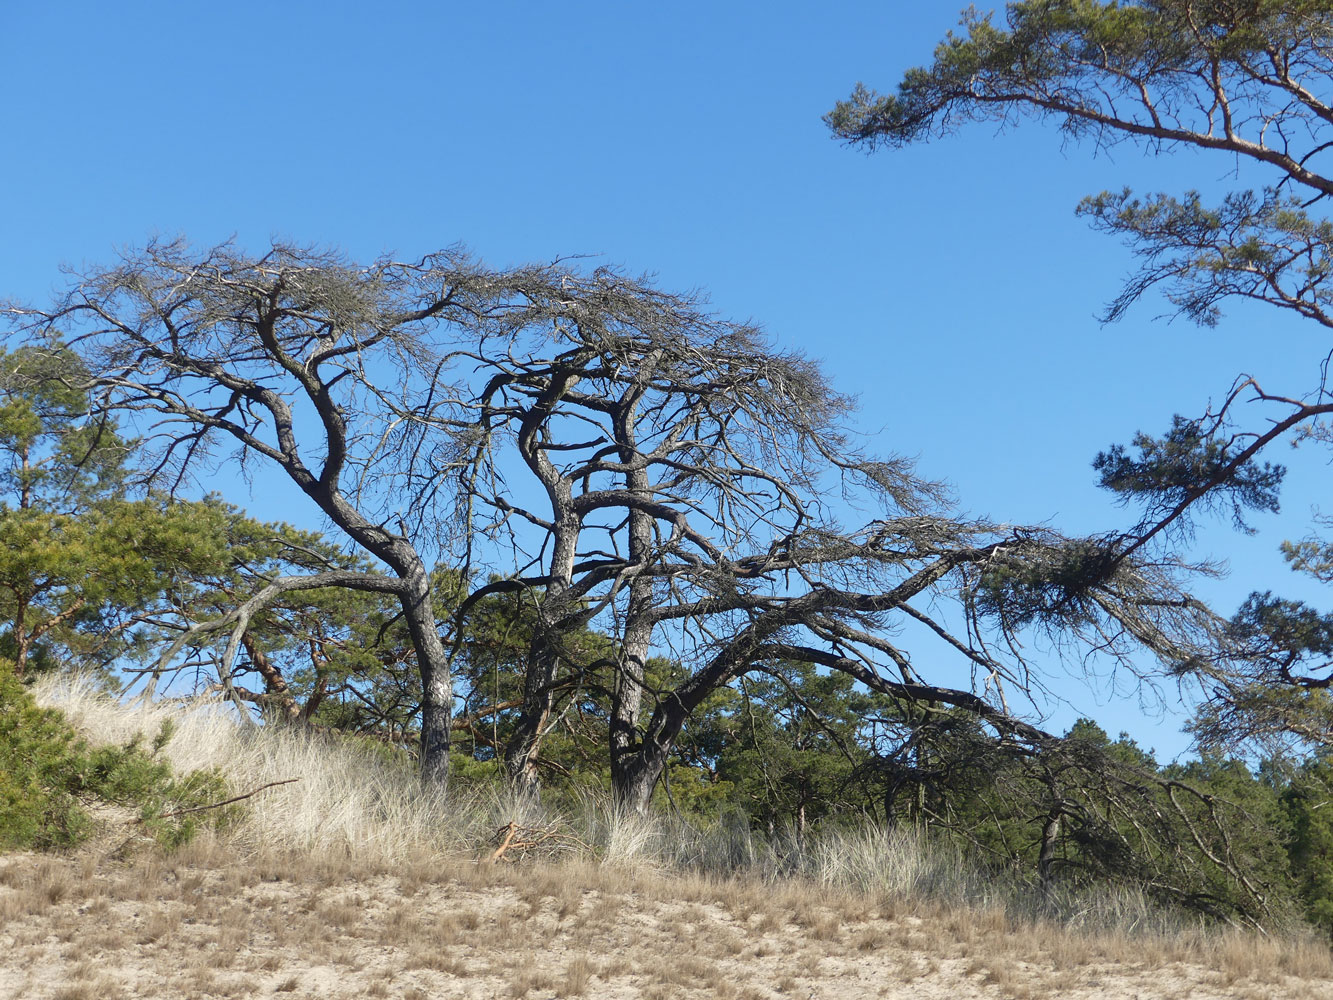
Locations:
(218, 805)
(522, 839)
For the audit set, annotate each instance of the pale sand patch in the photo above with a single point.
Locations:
(89, 929)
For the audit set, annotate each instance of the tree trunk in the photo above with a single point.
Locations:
(521, 750)
(543, 667)
(545, 655)
(21, 641)
(396, 551)
(626, 704)
(546, 650)
(627, 685)
(1050, 837)
(641, 770)
(437, 696)
(645, 766)
(638, 777)
(279, 702)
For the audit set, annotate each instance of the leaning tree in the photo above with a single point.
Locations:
(1251, 80)
(685, 486)
(611, 456)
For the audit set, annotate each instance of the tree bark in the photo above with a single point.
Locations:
(544, 658)
(627, 696)
(279, 703)
(546, 649)
(641, 770)
(21, 635)
(627, 685)
(1050, 838)
(437, 696)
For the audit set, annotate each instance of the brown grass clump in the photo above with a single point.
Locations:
(578, 974)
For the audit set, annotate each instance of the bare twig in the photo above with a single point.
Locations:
(218, 805)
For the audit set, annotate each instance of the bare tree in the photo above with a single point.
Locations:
(301, 361)
(614, 455)
(691, 481)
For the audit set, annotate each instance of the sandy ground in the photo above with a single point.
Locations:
(83, 928)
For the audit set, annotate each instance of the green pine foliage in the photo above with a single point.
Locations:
(1306, 800)
(49, 777)
(794, 758)
(84, 570)
(1240, 821)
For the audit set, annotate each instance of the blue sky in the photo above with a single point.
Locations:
(949, 286)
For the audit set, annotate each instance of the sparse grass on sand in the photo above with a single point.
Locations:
(352, 882)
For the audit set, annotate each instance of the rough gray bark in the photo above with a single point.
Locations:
(636, 641)
(1050, 843)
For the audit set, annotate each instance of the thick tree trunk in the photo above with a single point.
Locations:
(437, 691)
(627, 702)
(627, 685)
(521, 750)
(641, 770)
(546, 651)
(437, 696)
(21, 637)
(543, 668)
(545, 655)
(638, 778)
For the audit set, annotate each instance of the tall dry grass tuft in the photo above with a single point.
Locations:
(621, 838)
(347, 800)
(894, 864)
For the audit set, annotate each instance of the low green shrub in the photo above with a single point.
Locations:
(49, 775)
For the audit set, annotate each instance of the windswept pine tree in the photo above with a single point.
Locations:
(1237, 80)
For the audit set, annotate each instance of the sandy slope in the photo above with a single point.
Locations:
(83, 928)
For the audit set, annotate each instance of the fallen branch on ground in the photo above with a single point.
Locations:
(524, 838)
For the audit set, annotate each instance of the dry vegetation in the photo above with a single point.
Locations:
(207, 923)
(319, 893)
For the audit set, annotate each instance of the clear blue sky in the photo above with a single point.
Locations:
(949, 285)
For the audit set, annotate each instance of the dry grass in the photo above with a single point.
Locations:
(169, 926)
(354, 882)
(346, 801)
